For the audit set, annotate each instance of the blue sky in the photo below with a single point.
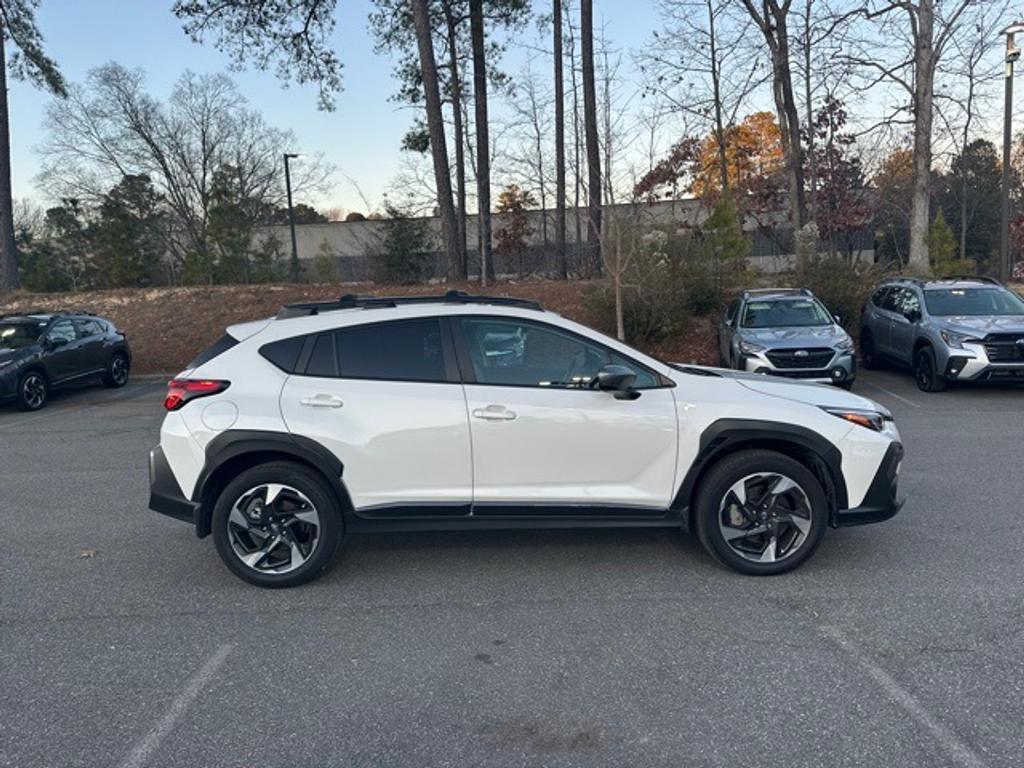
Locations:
(361, 137)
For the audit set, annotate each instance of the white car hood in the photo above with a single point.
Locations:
(794, 389)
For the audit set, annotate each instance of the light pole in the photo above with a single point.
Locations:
(1012, 54)
(296, 268)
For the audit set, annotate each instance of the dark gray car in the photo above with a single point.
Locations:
(786, 332)
(950, 329)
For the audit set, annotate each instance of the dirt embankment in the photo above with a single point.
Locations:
(166, 327)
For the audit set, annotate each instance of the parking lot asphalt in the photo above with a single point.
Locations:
(125, 642)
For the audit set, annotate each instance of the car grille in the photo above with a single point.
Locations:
(1004, 347)
(814, 357)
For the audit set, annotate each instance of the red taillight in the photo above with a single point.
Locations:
(180, 391)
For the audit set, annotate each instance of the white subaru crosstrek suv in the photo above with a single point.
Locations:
(473, 412)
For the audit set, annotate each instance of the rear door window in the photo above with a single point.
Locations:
(404, 350)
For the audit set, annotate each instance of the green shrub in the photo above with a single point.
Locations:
(843, 286)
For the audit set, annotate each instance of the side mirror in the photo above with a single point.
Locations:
(913, 315)
(53, 343)
(618, 379)
(838, 319)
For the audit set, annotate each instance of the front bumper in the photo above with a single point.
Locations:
(841, 369)
(165, 495)
(882, 500)
(972, 364)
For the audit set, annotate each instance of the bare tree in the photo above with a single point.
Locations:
(110, 127)
(923, 30)
(590, 131)
(453, 20)
(438, 146)
(704, 68)
(560, 240)
(772, 19)
(483, 151)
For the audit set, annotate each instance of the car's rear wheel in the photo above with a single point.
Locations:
(926, 373)
(760, 512)
(868, 355)
(277, 525)
(117, 371)
(33, 390)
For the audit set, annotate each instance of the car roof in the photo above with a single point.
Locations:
(775, 294)
(47, 315)
(945, 283)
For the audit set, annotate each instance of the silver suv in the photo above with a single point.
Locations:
(949, 329)
(786, 332)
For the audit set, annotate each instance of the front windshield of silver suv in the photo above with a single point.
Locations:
(972, 302)
(784, 313)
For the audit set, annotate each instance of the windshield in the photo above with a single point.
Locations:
(784, 313)
(973, 302)
(16, 335)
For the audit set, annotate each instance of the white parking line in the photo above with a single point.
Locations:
(142, 751)
(958, 752)
(890, 393)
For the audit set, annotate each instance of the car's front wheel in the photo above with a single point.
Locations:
(760, 512)
(277, 525)
(32, 391)
(926, 372)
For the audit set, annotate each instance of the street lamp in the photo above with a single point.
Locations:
(1012, 54)
(296, 269)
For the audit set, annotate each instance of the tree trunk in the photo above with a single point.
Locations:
(720, 139)
(924, 80)
(455, 95)
(590, 133)
(812, 160)
(577, 162)
(8, 247)
(563, 261)
(774, 28)
(438, 147)
(483, 138)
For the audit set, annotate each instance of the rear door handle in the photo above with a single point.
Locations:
(494, 413)
(323, 401)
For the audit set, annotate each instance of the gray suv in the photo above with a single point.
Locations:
(786, 332)
(950, 329)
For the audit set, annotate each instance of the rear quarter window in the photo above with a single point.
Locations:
(284, 353)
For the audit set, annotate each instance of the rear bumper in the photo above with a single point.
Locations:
(165, 495)
(882, 500)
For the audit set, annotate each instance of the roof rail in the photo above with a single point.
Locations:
(28, 312)
(966, 278)
(356, 301)
(766, 291)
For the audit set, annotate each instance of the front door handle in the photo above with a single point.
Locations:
(323, 401)
(494, 413)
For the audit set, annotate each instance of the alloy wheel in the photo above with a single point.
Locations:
(765, 517)
(923, 371)
(273, 528)
(119, 370)
(33, 391)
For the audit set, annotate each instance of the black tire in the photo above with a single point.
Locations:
(117, 371)
(712, 493)
(868, 355)
(309, 483)
(33, 389)
(926, 374)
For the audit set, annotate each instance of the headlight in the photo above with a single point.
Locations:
(845, 344)
(750, 348)
(956, 340)
(873, 420)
